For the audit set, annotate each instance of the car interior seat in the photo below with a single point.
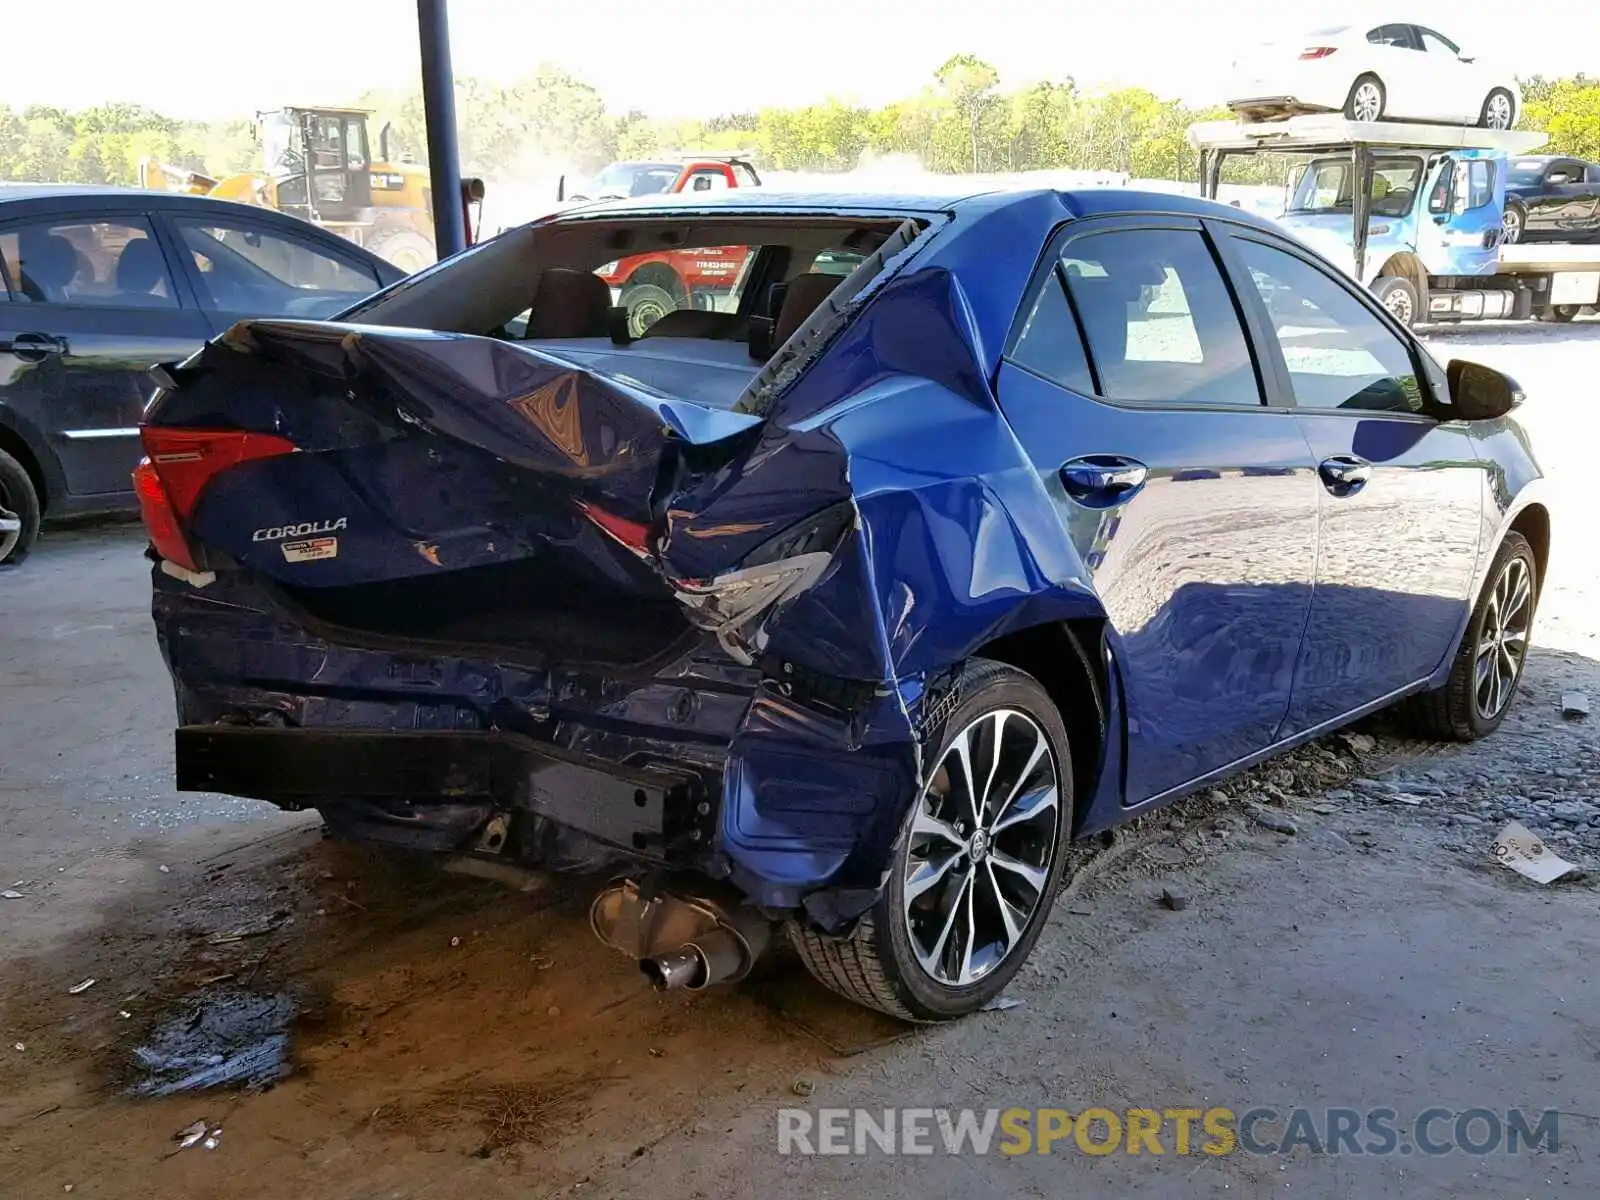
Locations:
(48, 266)
(802, 297)
(569, 304)
(695, 323)
(1102, 302)
(141, 276)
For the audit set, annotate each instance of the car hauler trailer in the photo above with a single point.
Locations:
(1415, 212)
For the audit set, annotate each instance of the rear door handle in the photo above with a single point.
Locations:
(1100, 480)
(1344, 473)
(34, 347)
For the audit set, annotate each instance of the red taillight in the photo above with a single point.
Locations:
(159, 520)
(635, 535)
(1317, 51)
(179, 465)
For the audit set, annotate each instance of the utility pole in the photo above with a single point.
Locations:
(439, 111)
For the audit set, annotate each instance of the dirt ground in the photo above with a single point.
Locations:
(410, 1034)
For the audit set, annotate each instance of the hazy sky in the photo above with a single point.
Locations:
(206, 58)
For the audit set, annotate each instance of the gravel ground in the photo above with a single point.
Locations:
(1344, 937)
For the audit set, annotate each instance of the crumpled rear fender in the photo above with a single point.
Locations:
(955, 544)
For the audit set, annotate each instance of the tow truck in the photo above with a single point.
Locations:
(651, 285)
(1414, 212)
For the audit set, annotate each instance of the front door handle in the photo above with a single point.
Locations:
(1344, 473)
(34, 347)
(1100, 480)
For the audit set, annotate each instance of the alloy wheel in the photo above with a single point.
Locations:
(981, 848)
(1510, 226)
(1503, 640)
(1498, 111)
(1368, 102)
(10, 524)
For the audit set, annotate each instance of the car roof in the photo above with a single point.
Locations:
(87, 195)
(70, 197)
(34, 191)
(958, 198)
(25, 200)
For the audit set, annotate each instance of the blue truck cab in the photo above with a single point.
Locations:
(1415, 212)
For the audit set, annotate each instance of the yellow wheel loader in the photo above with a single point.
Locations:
(317, 164)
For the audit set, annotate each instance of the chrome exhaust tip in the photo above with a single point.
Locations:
(680, 969)
(679, 940)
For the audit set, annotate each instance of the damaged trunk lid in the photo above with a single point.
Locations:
(465, 489)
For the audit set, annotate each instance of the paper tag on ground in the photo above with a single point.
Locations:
(311, 549)
(1517, 847)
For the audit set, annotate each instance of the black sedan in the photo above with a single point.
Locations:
(1550, 199)
(96, 285)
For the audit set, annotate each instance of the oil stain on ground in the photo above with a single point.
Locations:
(222, 1039)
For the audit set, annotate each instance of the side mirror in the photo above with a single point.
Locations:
(561, 189)
(1480, 393)
(383, 141)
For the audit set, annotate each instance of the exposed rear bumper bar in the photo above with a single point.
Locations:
(646, 812)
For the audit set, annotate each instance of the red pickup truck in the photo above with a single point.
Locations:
(651, 285)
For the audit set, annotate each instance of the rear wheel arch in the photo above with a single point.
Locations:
(15, 445)
(1068, 659)
(1409, 267)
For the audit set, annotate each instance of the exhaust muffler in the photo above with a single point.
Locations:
(679, 940)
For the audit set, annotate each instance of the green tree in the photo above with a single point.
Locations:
(972, 88)
(962, 121)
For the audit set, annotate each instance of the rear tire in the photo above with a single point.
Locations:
(1499, 110)
(405, 248)
(1502, 621)
(952, 927)
(1399, 296)
(646, 304)
(19, 511)
(1367, 99)
(1559, 313)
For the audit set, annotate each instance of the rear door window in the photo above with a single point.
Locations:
(1160, 321)
(1050, 344)
(1398, 36)
(244, 268)
(114, 263)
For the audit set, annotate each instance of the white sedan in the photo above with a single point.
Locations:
(1387, 72)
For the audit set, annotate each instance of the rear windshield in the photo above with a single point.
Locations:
(749, 278)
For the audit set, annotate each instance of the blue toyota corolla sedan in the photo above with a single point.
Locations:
(837, 603)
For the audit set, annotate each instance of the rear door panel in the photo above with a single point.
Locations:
(1205, 568)
(82, 379)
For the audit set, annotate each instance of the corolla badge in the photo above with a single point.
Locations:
(276, 533)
